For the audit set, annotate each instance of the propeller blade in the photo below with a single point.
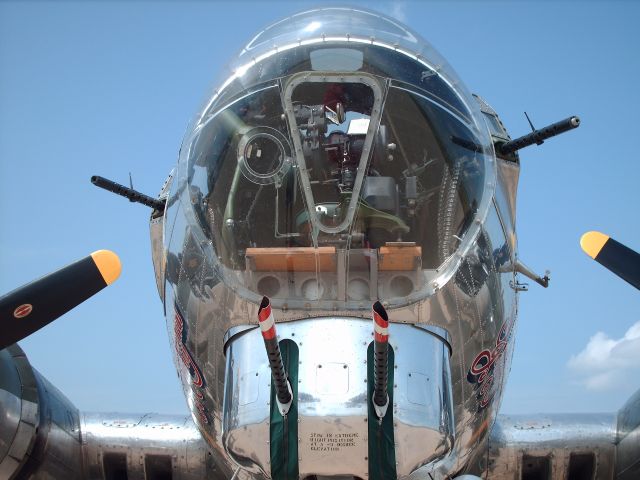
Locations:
(32, 306)
(613, 255)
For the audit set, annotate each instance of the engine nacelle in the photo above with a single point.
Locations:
(628, 439)
(44, 436)
(40, 427)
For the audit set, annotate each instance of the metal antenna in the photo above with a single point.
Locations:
(533, 129)
(131, 179)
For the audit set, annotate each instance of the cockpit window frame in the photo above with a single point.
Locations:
(374, 121)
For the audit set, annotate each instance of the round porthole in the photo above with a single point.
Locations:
(400, 286)
(263, 155)
(312, 289)
(358, 289)
(268, 286)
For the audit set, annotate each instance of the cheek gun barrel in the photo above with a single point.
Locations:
(130, 193)
(381, 355)
(538, 136)
(284, 394)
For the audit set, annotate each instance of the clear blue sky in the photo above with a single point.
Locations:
(108, 88)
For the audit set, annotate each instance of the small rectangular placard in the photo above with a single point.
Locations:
(335, 446)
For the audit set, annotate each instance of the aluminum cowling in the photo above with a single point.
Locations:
(19, 418)
(40, 429)
(628, 440)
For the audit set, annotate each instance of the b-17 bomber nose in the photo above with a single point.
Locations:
(342, 161)
(340, 164)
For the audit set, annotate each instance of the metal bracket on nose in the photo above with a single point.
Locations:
(284, 394)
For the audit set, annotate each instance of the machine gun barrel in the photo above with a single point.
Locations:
(539, 136)
(380, 355)
(284, 395)
(130, 193)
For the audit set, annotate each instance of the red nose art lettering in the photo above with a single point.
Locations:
(184, 354)
(485, 368)
(197, 379)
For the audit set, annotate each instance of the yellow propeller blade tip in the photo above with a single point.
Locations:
(592, 243)
(109, 265)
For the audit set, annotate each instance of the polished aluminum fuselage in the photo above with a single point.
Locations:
(451, 332)
(476, 308)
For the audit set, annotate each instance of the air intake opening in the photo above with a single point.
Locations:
(536, 468)
(157, 467)
(581, 466)
(115, 466)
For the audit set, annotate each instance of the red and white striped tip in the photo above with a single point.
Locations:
(267, 322)
(380, 323)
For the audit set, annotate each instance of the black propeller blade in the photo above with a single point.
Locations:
(32, 306)
(613, 255)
